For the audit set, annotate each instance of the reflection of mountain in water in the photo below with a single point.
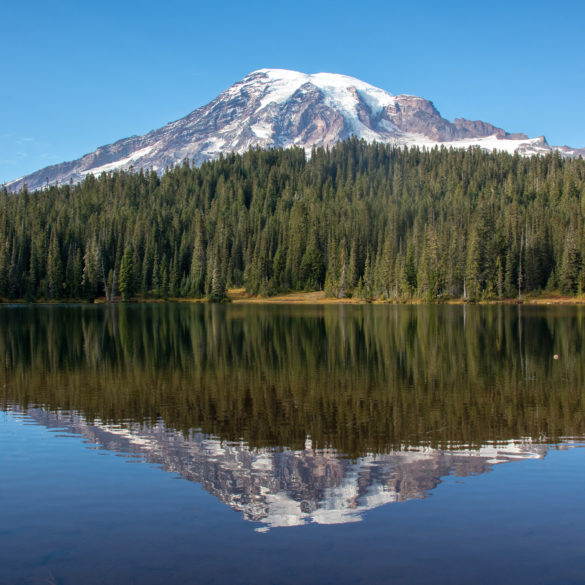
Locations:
(291, 487)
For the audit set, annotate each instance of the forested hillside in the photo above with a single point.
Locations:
(360, 219)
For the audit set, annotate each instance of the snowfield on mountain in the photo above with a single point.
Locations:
(272, 108)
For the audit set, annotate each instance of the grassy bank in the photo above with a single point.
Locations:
(240, 296)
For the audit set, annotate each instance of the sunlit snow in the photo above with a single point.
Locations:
(282, 84)
(121, 163)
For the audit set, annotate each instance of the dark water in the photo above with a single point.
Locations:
(311, 439)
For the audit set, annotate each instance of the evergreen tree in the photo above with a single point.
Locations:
(218, 289)
(126, 284)
(54, 269)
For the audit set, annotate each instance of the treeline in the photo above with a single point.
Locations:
(364, 220)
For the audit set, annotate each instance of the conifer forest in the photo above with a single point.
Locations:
(362, 220)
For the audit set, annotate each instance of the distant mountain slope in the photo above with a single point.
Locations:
(281, 108)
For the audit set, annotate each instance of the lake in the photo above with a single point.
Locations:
(342, 444)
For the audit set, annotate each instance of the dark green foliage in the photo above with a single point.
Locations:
(357, 220)
(127, 275)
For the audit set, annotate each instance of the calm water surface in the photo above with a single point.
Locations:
(182, 443)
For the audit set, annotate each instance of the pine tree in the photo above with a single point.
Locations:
(218, 288)
(126, 285)
(54, 269)
(197, 271)
(91, 267)
(571, 264)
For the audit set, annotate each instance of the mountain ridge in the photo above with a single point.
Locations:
(273, 108)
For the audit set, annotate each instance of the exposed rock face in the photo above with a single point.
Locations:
(414, 115)
(279, 108)
(476, 128)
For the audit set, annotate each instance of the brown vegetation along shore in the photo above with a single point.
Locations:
(240, 296)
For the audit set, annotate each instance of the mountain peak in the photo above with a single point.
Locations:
(281, 84)
(272, 108)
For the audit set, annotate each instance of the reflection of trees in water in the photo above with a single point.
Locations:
(366, 378)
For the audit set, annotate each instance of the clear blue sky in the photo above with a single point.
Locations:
(77, 75)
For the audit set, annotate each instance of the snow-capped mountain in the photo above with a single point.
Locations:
(281, 108)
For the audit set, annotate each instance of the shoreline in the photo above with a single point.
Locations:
(318, 298)
(240, 296)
